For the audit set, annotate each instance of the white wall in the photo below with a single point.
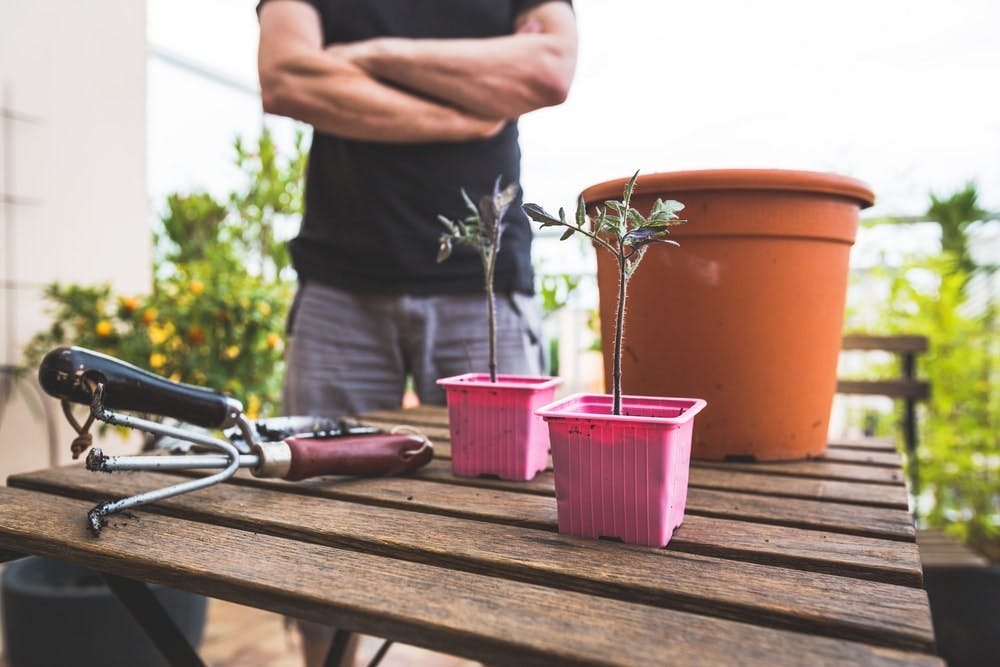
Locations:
(76, 208)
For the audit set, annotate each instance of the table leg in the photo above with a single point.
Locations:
(338, 647)
(380, 653)
(154, 621)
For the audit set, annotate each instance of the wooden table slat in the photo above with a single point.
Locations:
(836, 453)
(878, 522)
(855, 493)
(866, 444)
(821, 603)
(423, 415)
(820, 469)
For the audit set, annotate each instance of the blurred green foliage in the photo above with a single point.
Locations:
(221, 288)
(949, 298)
(554, 290)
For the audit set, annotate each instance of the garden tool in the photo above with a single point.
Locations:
(292, 448)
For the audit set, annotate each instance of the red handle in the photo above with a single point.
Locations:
(377, 454)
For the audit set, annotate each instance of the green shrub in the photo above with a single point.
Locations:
(221, 288)
(948, 298)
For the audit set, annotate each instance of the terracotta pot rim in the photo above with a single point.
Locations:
(779, 180)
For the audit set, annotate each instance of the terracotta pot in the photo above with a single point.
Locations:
(748, 312)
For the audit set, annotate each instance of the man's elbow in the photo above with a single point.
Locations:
(271, 103)
(555, 89)
(277, 96)
(555, 78)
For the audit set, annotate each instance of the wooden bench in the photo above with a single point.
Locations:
(940, 550)
(905, 387)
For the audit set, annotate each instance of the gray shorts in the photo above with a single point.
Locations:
(350, 353)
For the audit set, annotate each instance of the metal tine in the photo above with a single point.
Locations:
(98, 462)
(97, 517)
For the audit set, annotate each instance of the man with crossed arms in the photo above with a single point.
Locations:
(410, 101)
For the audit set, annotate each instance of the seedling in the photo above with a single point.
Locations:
(626, 234)
(482, 230)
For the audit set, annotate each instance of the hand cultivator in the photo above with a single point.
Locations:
(291, 448)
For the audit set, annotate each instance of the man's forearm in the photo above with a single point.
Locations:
(499, 77)
(338, 98)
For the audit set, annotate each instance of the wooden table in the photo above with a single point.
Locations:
(809, 562)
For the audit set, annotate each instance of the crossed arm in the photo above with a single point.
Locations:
(413, 90)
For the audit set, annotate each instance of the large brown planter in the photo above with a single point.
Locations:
(748, 312)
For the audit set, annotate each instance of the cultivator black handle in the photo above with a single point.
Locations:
(73, 374)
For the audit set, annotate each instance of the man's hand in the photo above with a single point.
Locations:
(337, 97)
(499, 77)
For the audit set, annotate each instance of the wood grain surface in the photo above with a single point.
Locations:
(429, 606)
(809, 562)
(848, 454)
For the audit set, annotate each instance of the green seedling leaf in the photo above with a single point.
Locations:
(630, 186)
(469, 204)
(449, 225)
(606, 224)
(637, 236)
(635, 218)
(568, 233)
(444, 248)
(506, 196)
(581, 212)
(615, 206)
(539, 215)
(487, 211)
(668, 206)
(643, 235)
(502, 199)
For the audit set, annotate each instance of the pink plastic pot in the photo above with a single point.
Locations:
(494, 428)
(621, 476)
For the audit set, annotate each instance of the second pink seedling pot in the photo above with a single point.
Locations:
(494, 428)
(621, 476)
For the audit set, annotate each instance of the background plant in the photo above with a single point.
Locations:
(555, 291)
(949, 297)
(626, 234)
(222, 285)
(482, 230)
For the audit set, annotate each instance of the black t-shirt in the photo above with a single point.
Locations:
(371, 209)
